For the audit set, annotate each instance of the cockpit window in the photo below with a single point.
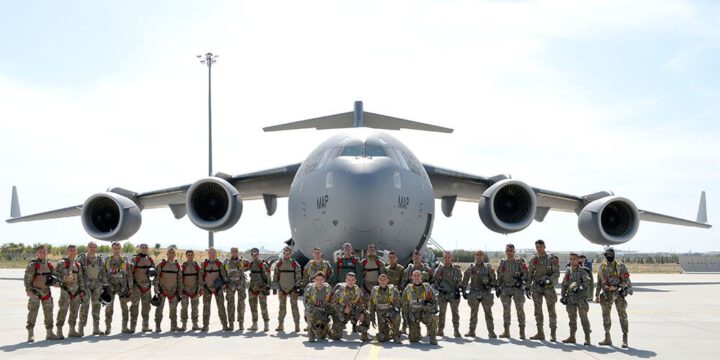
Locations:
(363, 151)
(352, 151)
(374, 150)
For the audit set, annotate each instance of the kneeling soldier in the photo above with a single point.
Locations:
(71, 282)
(574, 284)
(420, 305)
(385, 302)
(168, 283)
(317, 302)
(348, 303)
(38, 292)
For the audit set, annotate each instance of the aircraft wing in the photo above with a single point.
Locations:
(252, 186)
(450, 185)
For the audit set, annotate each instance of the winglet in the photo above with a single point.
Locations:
(15, 204)
(702, 210)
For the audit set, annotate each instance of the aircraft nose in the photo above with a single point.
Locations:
(365, 186)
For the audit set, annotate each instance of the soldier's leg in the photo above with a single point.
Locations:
(312, 336)
(109, 309)
(134, 307)
(173, 304)
(241, 309)
(383, 333)
(159, 312)
(295, 310)
(146, 310)
(537, 298)
(207, 297)
(621, 306)
(474, 304)
(33, 307)
(264, 311)
(583, 310)
(414, 334)
(96, 310)
(454, 309)
(73, 316)
(222, 313)
(253, 301)
(487, 303)
(519, 300)
(505, 300)
(606, 305)
(431, 322)
(442, 304)
(572, 317)
(338, 327)
(124, 312)
(85, 310)
(230, 297)
(184, 310)
(47, 306)
(282, 297)
(551, 299)
(195, 314)
(63, 307)
(395, 328)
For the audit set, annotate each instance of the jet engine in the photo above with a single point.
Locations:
(213, 204)
(610, 220)
(110, 217)
(507, 206)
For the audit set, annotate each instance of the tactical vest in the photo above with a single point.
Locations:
(383, 299)
(39, 271)
(70, 276)
(344, 266)
(116, 270)
(480, 278)
(394, 274)
(141, 266)
(91, 266)
(347, 295)
(168, 278)
(371, 270)
(287, 270)
(575, 276)
(235, 269)
(423, 268)
(259, 276)
(190, 273)
(318, 297)
(313, 267)
(211, 271)
(417, 295)
(543, 265)
(451, 276)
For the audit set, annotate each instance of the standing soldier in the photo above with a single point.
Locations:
(385, 301)
(447, 280)
(37, 290)
(213, 279)
(480, 277)
(71, 282)
(394, 270)
(120, 280)
(512, 275)
(235, 267)
(317, 303)
(574, 284)
(288, 280)
(259, 289)
(420, 305)
(141, 265)
(614, 280)
(191, 291)
(94, 276)
(544, 272)
(317, 263)
(417, 264)
(371, 267)
(347, 263)
(168, 283)
(348, 303)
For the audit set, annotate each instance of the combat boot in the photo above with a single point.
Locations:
(470, 333)
(607, 341)
(553, 333)
(59, 333)
(297, 327)
(625, 343)
(72, 333)
(133, 326)
(540, 334)
(440, 332)
(267, 326)
(49, 335)
(231, 327)
(506, 333)
(364, 337)
(184, 326)
(241, 325)
(491, 334)
(126, 329)
(254, 326)
(146, 327)
(522, 333)
(226, 327)
(157, 327)
(280, 327)
(456, 332)
(108, 328)
(570, 339)
(31, 336)
(195, 327)
(433, 340)
(96, 328)
(81, 330)
(205, 328)
(587, 339)
(311, 338)
(174, 327)
(397, 340)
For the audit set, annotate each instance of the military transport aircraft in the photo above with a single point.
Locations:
(359, 187)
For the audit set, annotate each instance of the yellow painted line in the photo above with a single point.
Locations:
(374, 352)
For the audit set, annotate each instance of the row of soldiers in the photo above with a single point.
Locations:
(363, 292)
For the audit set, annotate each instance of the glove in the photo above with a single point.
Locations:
(563, 300)
(527, 293)
(274, 291)
(299, 291)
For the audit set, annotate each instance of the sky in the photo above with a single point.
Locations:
(571, 96)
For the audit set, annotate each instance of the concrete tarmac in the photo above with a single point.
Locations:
(672, 316)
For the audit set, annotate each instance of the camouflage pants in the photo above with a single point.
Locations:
(487, 303)
(194, 302)
(123, 307)
(91, 296)
(219, 301)
(317, 327)
(551, 297)
(34, 305)
(517, 296)
(454, 305)
(139, 297)
(172, 304)
(64, 304)
(283, 296)
(339, 324)
(572, 310)
(387, 329)
(606, 303)
(230, 297)
(254, 298)
(430, 321)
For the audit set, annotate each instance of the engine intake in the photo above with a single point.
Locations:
(609, 221)
(111, 217)
(213, 204)
(507, 206)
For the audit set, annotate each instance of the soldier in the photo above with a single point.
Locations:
(385, 301)
(574, 284)
(191, 291)
(38, 292)
(72, 284)
(94, 276)
(586, 265)
(394, 270)
(371, 267)
(259, 289)
(447, 280)
(120, 281)
(420, 305)
(544, 272)
(317, 303)
(614, 280)
(142, 263)
(347, 263)
(512, 275)
(235, 267)
(288, 280)
(348, 303)
(168, 283)
(317, 263)
(481, 279)
(417, 264)
(213, 279)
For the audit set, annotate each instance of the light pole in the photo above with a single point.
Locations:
(209, 59)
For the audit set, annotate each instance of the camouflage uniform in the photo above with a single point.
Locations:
(36, 274)
(542, 269)
(610, 273)
(574, 283)
(141, 263)
(72, 284)
(386, 302)
(481, 279)
(371, 267)
(259, 291)
(209, 272)
(395, 274)
(427, 273)
(94, 275)
(236, 273)
(354, 296)
(317, 310)
(168, 283)
(287, 280)
(120, 280)
(313, 267)
(344, 265)
(447, 280)
(512, 275)
(420, 305)
(190, 293)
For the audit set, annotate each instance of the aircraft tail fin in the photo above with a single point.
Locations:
(14, 204)
(358, 118)
(702, 209)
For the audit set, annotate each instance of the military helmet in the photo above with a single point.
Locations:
(254, 251)
(155, 301)
(152, 273)
(106, 297)
(51, 280)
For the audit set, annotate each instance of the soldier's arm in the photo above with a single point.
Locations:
(625, 276)
(555, 276)
(499, 277)
(29, 274)
(565, 284)
(298, 277)
(156, 280)
(306, 274)
(179, 278)
(224, 274)
(275, 284)
(201, 277)
(331, 271)
(266, 268)
(81, 279)
(531, 268)
(382, 268)
(466, 277)
(359, 273)
(129, 274)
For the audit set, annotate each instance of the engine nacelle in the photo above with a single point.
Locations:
(610, 220)
(507, 206)
(213, 204)
(110, 217)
